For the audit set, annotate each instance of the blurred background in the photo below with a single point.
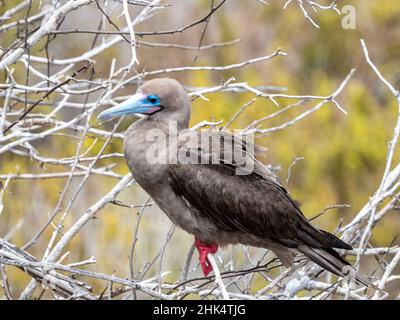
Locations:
(344, 156)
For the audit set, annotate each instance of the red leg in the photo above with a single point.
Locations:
(204, 249)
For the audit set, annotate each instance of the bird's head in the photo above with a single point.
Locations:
(161, 98)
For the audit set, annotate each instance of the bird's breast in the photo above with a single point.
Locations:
(142, 156)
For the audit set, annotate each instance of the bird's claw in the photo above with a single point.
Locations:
(204, 250)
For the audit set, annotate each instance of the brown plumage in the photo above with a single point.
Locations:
(210, 200)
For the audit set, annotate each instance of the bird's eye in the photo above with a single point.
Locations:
(153, 99)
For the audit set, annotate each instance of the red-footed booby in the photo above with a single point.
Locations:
(216, 199)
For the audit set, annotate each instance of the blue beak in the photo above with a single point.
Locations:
(138, 103)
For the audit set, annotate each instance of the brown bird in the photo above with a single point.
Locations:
(228, 196)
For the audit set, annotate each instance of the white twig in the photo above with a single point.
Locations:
(218, 279)
(131, 32)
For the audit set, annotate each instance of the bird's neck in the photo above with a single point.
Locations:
(167, 123)
(142, 140)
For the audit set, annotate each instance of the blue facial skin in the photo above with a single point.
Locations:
(138, 103)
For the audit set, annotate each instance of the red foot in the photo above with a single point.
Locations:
(204, 249)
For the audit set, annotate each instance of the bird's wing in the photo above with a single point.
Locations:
(254, 203)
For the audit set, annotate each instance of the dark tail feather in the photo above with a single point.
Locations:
(330, 260)
(330, 240)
